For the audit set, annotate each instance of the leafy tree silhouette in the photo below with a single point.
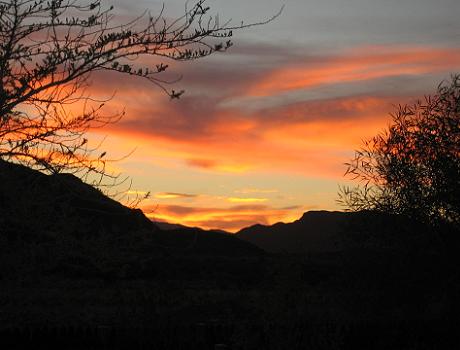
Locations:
(413, 167)
(50, 48)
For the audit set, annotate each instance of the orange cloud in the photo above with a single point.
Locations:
(202, 163)
(312, 138)
(358, 64)
(217, 165)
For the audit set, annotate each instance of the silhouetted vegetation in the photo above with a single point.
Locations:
(413, 168)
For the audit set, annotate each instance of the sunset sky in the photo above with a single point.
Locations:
(263, 131)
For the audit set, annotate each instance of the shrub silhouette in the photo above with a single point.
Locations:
(413, 167)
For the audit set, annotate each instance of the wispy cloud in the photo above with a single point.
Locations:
(174, 195)
(136, 193)
(358, 64)
(246, 200)
(255, 190)
(202, 163)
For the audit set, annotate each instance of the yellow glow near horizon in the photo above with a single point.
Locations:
(246, 200)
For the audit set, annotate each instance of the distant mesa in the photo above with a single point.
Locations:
(315, 231)
(166, 226)
(327, 231)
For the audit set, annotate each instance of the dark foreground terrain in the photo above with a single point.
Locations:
(271, 302)
(80, 271)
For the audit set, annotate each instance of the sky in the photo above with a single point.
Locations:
(263, 131)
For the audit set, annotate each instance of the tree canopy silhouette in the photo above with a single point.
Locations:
(49, 49)
(413, 167)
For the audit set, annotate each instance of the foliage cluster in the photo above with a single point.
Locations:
(413, 167)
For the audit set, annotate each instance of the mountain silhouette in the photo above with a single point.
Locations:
(33, 203)
(199, 241)
(333, 231)
(314, 231)
(52, 223)
(166, 226)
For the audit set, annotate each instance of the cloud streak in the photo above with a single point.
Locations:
(299, 113)
(359, 64)
(174, 195)
(246, 200)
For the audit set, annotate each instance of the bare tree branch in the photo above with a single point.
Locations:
(50, 48)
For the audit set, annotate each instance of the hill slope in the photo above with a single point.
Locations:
(33, 203)
(58, 224)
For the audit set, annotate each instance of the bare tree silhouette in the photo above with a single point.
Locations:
(50, 48)
(413, 167)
